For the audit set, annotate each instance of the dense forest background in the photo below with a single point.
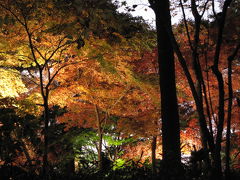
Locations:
(88, 92)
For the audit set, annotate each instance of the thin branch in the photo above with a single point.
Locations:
(119, 99)
(39, 53)
(25, 25)
(204, 8)
(220, 32)
(34, 82)
(31, 74)
(11, 12)
(54, 75)
(58, 47)
(213, 9)
(186, 25)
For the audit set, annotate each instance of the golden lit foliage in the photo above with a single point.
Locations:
(105, 77)
(11, 84)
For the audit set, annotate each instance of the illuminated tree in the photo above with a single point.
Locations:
(40, 47)
(108, 88)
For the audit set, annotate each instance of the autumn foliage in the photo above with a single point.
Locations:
(79, 90)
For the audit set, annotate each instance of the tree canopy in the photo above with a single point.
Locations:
(89, 92)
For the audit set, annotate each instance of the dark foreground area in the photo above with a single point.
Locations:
(126, 173)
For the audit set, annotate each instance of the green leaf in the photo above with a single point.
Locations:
(119, 164)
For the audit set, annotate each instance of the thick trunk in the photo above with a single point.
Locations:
(207, 137)
(169, 105)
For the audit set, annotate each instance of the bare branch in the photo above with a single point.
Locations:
(54, 75)
(213, 9)
(57, 48)
(38, 51)
(186, 26)
(204, 8)
(34, 82)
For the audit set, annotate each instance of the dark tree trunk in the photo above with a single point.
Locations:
(229, 113)
(153, 148)
(229, 117)
(45, 153)
(217, 173)
(169, 105)
(70, 165)
(100, 135)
